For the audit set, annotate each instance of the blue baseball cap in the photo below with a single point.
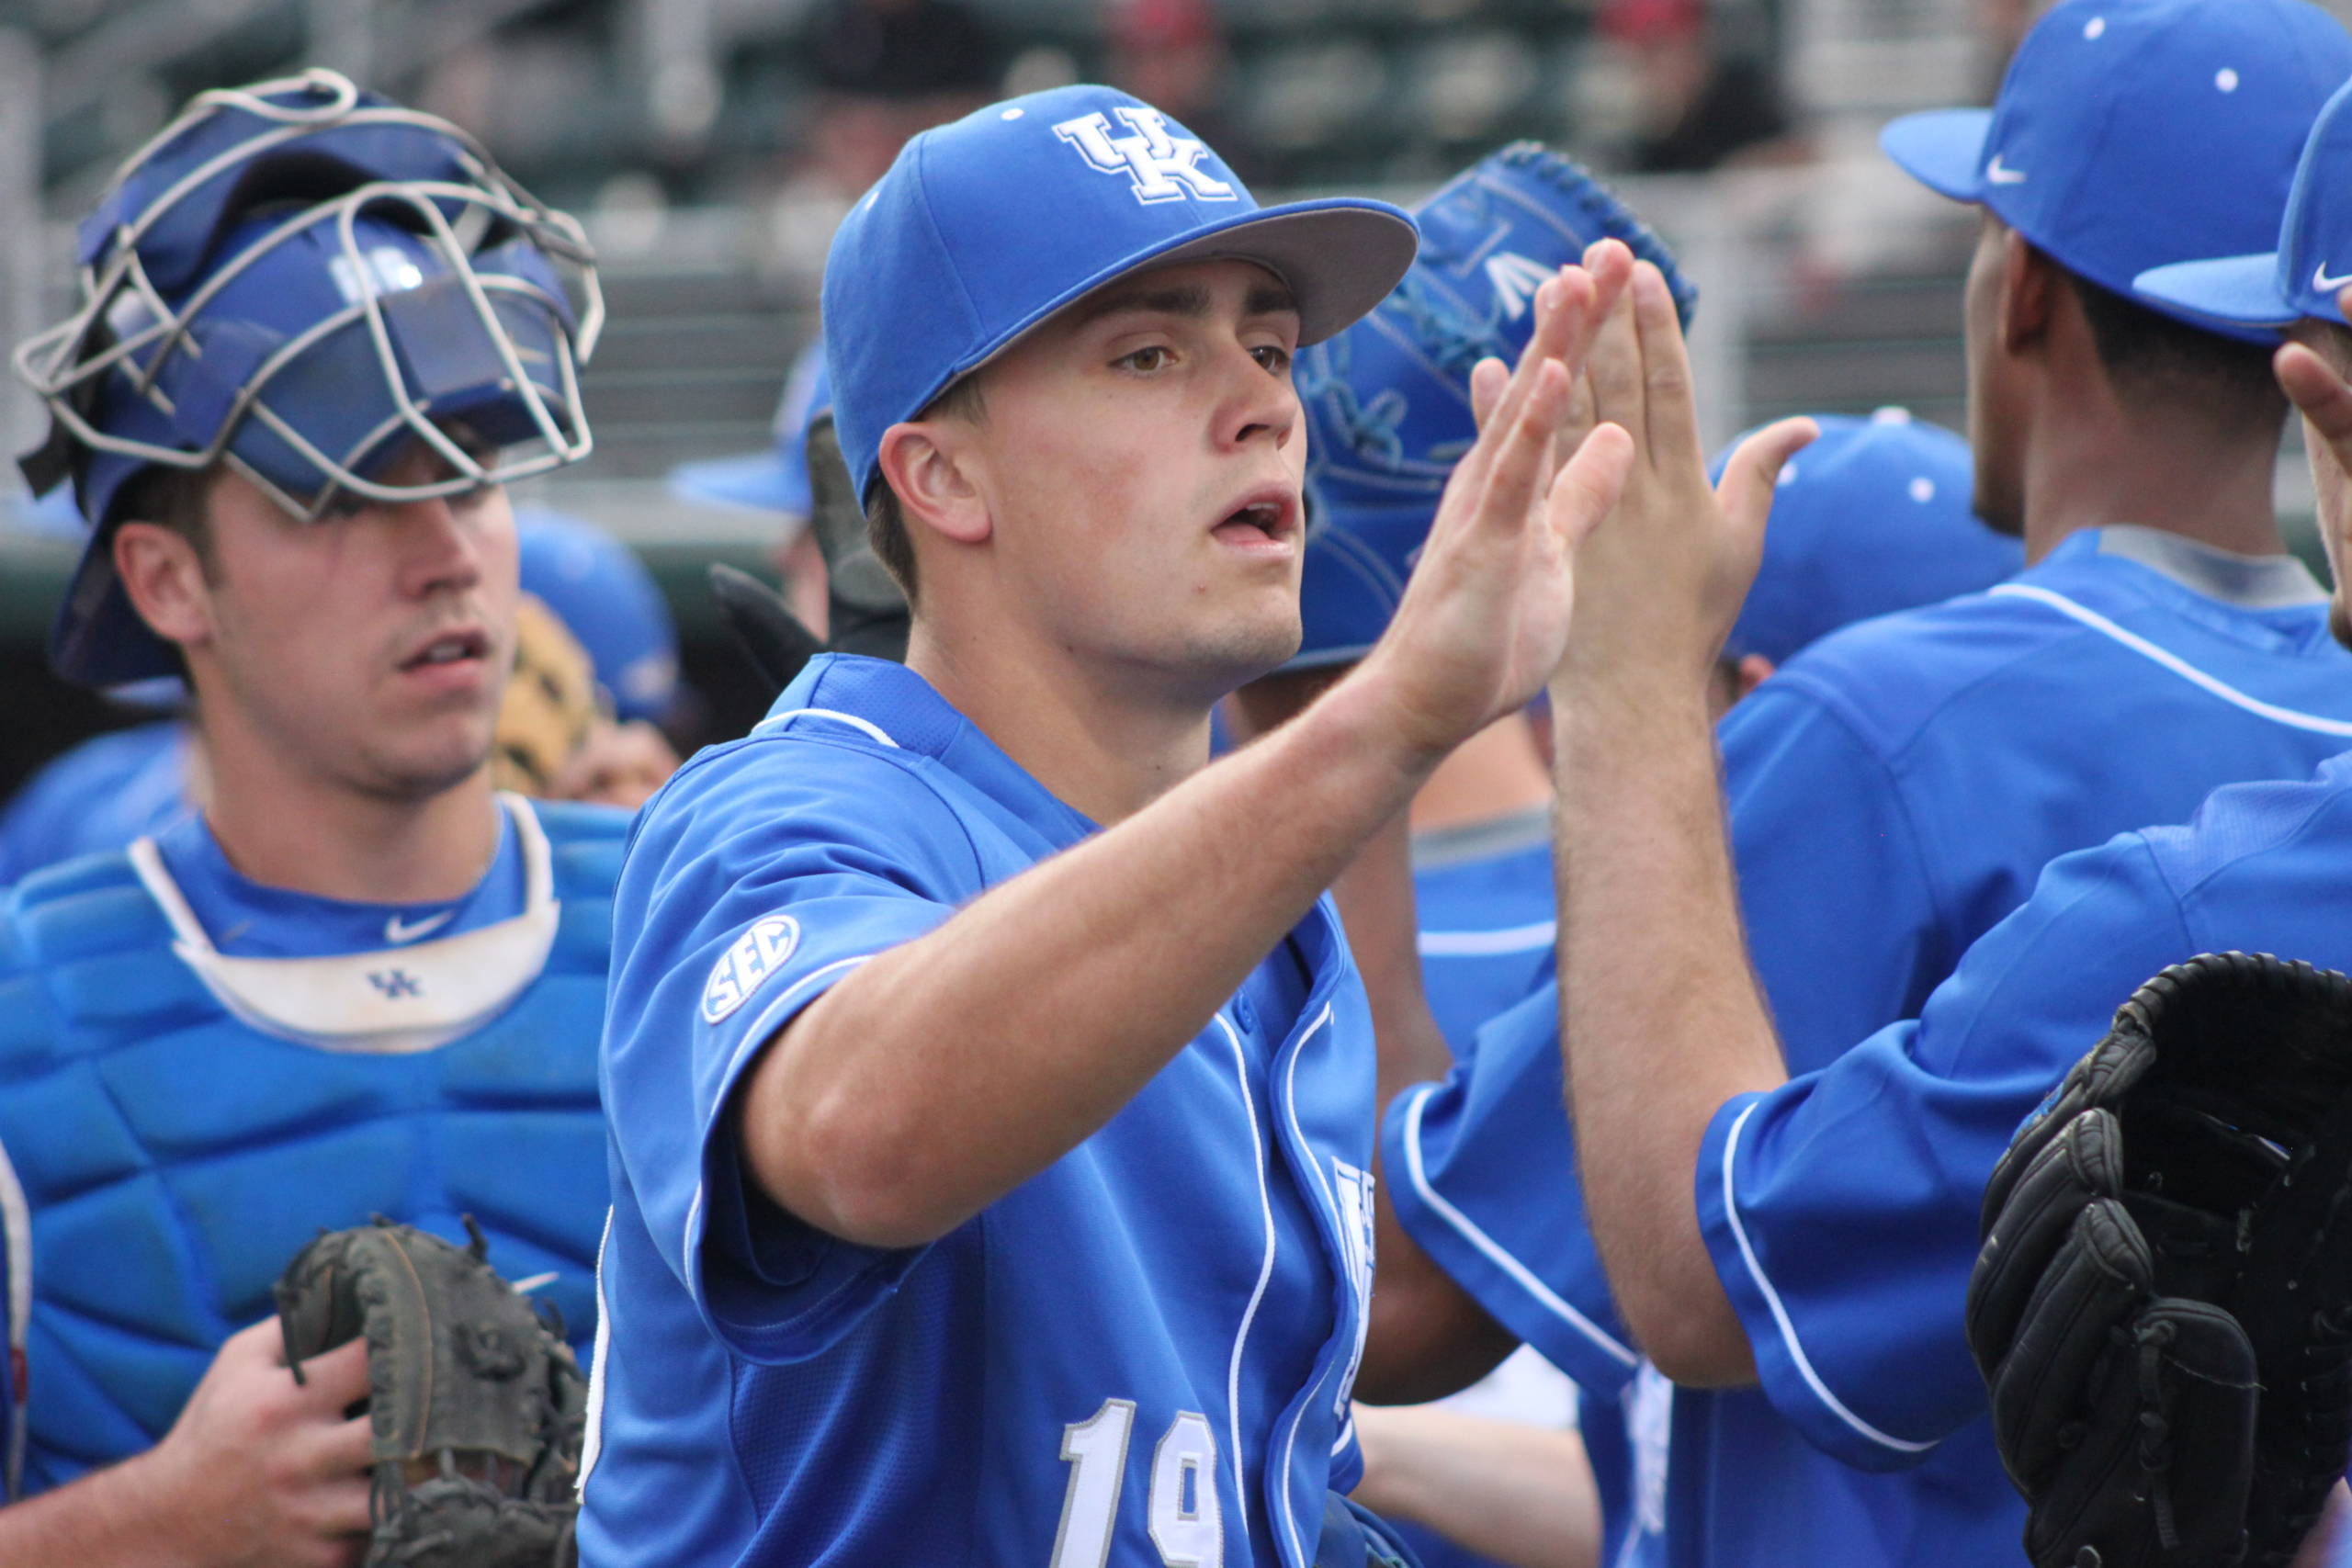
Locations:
(1388, 399)
(984, 227)
(1872, 518)
(2308, 272)
(2129, 134)
(605, 598)
(776, 480)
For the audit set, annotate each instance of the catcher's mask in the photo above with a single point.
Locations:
(300, 279)
(1387, 400)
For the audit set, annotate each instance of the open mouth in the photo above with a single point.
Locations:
(450, 649)
(1261, 522)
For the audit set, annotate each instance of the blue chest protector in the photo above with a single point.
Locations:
(182, 1122)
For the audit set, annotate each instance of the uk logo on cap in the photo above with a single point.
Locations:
(1163, 167)
(985, 226)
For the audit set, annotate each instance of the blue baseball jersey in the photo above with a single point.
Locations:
(1143, 1351)
(1895, 793)
(1851, 1281)
(100, 796)
(1487, 917)
(1487, 921)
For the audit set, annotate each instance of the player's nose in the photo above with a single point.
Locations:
(1256, 403)
(440, 542)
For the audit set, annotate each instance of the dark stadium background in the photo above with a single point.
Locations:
(710, 144)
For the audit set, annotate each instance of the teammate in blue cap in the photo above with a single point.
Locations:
(1841, 1204)
(316, 333)
(1876, 516)
(1896, 790)
(605, 596)
(991, 1088)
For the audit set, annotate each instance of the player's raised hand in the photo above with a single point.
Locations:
(1659, 579)
(1485, 617)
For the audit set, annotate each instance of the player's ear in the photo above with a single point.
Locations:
(2029, 285)
(1754, 670)
(929, 472)
(164, 577)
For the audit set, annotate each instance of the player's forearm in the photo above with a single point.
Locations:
(116, 1518)
(1519, 1494)
(948, 1071)
(1662, 1022)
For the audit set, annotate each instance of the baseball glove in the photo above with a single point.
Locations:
(477, 1407)
(549, 706)
(2162, 1306)
(866, 608)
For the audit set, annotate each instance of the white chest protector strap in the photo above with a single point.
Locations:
(391, 1002)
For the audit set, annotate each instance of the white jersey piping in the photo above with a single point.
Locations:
(1830, 1402)
(1531, 938)
(864, 725)
(1524, 1277)
(2316, 723)
(1265, 1275)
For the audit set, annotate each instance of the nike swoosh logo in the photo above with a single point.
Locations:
(2001, 174)
(397, 931)
(2326, 284)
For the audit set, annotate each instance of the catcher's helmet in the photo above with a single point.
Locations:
(1388, 399)
(299, 279)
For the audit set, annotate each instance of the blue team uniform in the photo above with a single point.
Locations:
(1894, 792)
(198, 1072)
(1151, 1340)
(1484, 897)
(100, 796)
(1487, 917)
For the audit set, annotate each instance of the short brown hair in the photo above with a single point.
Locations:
(886, 523)
(176, 498)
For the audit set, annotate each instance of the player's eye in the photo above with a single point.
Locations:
(1273, 357)
(344, 504)
(1157, 357)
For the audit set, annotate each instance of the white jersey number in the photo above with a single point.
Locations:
(1186, 1520)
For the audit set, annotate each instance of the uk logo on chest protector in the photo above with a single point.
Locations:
(1162, 167)
(746, 965)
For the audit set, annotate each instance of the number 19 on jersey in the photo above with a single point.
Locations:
(1187, 1522)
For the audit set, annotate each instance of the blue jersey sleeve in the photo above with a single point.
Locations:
(757, 880)
(1482, 1173)
(1837, 891)
(1841, 1208)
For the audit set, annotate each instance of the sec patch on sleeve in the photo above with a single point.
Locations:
(746, 965)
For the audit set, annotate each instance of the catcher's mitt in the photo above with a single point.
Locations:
(2163, 1306)
(549, 706)
(477, 1406)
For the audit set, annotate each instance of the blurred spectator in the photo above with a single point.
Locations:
(1172, 55)
(889, 69)
(1704, 105)
(2001, 26)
